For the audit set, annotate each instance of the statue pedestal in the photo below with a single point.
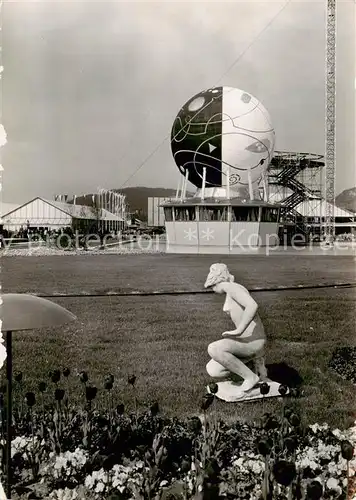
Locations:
(229, 391)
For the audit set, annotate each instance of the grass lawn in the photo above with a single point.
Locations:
(163, 339)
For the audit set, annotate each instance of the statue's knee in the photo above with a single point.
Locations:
(214, 369)
(212, 349)
(210, 369)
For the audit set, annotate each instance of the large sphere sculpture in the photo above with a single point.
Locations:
(229, 132)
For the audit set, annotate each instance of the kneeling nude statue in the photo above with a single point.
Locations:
(241, 351)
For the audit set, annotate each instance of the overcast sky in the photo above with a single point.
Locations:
(90, 89)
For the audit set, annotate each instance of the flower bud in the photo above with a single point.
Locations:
(66, 372)
(18, 377)
(131, 379)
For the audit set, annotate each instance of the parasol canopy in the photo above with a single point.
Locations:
(20, 311)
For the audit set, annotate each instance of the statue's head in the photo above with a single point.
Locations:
(219, 273)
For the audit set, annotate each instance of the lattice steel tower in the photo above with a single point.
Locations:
(330, 119)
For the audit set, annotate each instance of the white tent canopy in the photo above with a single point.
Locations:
(319, 208)
(40, 212)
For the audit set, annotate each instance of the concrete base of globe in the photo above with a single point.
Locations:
(212, 250)
(230, 392)
(224, 238)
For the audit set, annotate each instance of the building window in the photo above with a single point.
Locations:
(269, 214)
(245, 214)
(168, 214)
(184, 214)
(207, 214)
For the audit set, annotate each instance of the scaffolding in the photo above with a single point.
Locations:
(296, 182)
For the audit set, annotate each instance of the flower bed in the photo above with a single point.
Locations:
(109, 250)
(64, 453)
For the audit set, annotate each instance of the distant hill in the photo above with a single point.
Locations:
(137, 197)
(347, 199)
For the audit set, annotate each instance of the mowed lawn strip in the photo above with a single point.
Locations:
(163, 341)
(146, 273)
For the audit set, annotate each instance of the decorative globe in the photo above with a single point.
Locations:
(229, 132)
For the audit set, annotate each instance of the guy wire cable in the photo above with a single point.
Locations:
(279, 288)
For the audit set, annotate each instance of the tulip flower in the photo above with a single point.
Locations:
(55, 376)
(284, 472)
(194, 425)
(110, 378)
(264, 447)
(347, 450)
(207, 401)
(290, 443)
(185, 467)
(294, 420)
(154, 409)
(66, 372)
(109, 462)
(83, 377)
(30, 399)
(270, 423)
(18, 377)
(59, 394)
(314, 490)
(42, 386)
(108, 385)
(288, 412)
(131, 379)
(120, 409)
(294, 392)
(90, 393)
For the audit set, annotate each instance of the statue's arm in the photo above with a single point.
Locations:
(243, 297)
